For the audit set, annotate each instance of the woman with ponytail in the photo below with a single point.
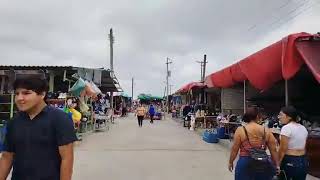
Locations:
(292, 149)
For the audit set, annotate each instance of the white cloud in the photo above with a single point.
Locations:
(146, 32)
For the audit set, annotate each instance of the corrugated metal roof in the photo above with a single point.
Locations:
(8, 67)
(30, 66)
(48, 67)
(106, 79)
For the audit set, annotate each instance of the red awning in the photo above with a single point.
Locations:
(222, 78)
(281, 60)
(192, 85)
(310, 52)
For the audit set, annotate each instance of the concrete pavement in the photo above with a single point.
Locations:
(160, 151)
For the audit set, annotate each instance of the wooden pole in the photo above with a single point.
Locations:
(244, 97)
(286, 92)
(12, 105)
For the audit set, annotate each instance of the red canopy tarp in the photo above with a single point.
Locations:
(310, 52)
(281, 60)
(189, 86)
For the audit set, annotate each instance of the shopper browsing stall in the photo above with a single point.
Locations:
(39, 141)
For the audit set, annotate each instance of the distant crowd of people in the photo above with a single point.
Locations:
(144, 111)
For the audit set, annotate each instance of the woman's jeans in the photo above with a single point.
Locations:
(294, 167)
(242, 172)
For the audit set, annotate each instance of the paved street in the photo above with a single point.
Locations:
(160, 151)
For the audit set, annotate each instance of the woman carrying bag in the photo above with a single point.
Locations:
(252, 140)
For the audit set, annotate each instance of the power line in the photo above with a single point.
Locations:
(276, 9)
(293, 17)
(295, 13)
(291, 12)
(257, 26)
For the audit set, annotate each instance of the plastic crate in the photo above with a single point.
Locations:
(210, 136)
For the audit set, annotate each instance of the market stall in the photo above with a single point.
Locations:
(72, 89)
(286, 72)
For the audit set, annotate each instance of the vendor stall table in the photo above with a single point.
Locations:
(101, 122)
(199, 122)
(210, 122)
(230, 127)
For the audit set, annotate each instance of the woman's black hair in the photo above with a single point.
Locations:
(251, 114)
(35, 84)
(291, 112)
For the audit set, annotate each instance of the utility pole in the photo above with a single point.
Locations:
(204, 67)
(168, 74)
(203, 76)
(201, 70)
(170, 88)
(132, 92)
(111, 39)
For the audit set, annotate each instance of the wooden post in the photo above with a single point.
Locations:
(286, 92)
(244, 97)
(221, 99)
(3, 78)
(51, 81)
(12, 106)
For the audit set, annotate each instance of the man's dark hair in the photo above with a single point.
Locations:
(35, 84)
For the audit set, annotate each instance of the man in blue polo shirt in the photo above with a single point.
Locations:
(39, 140)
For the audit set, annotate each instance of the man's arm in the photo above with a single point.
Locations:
(65, 136)
(5, 164)
(66, 167)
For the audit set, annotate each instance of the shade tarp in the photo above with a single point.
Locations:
(190, 86)
(149, 97)
(310, 52)
(281, 60)
(122, 94)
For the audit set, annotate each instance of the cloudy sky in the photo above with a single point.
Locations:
(74, 32)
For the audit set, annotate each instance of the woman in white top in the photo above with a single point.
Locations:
(292, 150)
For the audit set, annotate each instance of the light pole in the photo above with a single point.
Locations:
(111, 39)
(132, 92)
(168, 74)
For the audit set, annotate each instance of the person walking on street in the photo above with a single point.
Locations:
(140, 113)
(252, 140)
(39, 140)
(292, 151)
(152, 112)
